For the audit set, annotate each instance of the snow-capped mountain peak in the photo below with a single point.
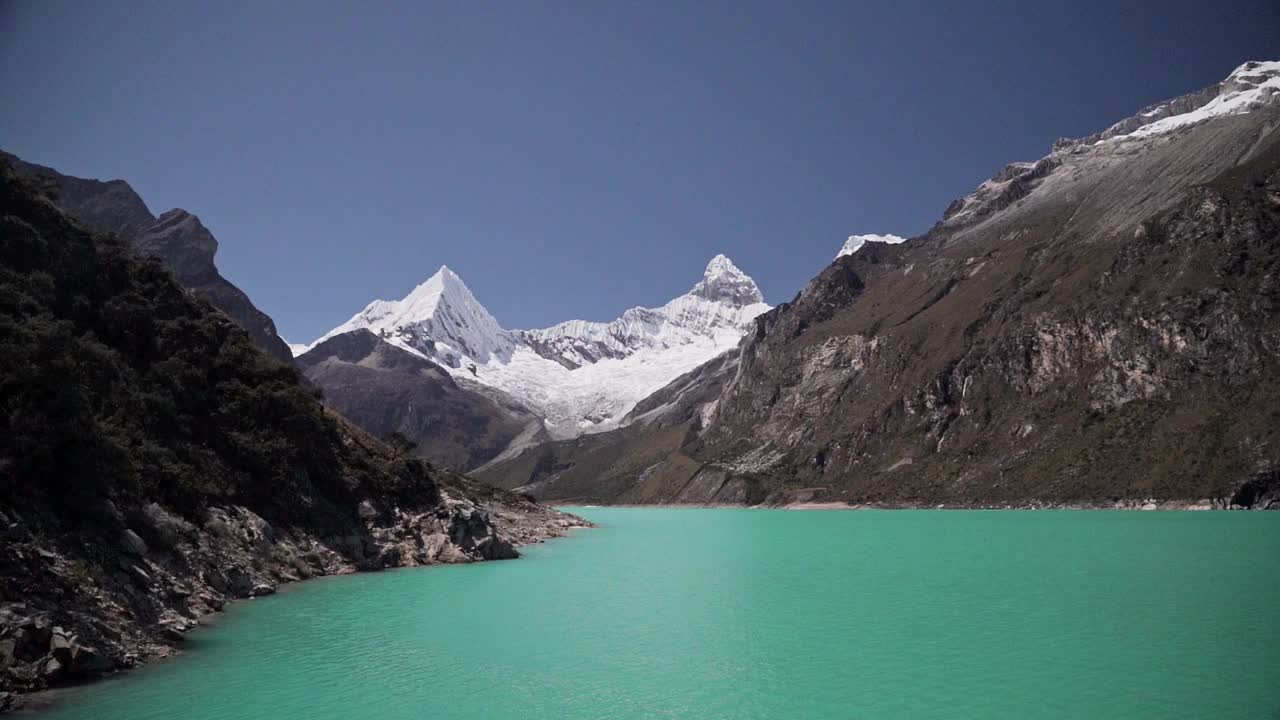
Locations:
(855, 242)
(722, 281)
(439, 319)
(1249, 86)
(719, 308)
(426, 297)
(579, 375)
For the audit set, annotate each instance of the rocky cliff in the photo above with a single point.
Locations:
(155, 464)
(177, 238)
(1097, 327)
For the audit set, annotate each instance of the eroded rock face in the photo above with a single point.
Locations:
(1058, 350)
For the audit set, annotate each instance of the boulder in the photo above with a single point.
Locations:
(162, 527)
(132, 543)
(473, 532)
(51, 669)
(171, 632)
(60, 643)
(139, 576)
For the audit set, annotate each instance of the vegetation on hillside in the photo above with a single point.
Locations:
(119, 384)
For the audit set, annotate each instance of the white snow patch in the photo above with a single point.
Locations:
(1248, 87)
(855, 242)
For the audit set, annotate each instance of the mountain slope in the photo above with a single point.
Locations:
(155, 464)
(176, 238)
(383, 388)
(1099, 326)
(579, 376)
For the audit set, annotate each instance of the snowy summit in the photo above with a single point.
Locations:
(855, 242)
(1248, 87)
(580, 375)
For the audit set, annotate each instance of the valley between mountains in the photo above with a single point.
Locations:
(1098, 327)
(1095, 327)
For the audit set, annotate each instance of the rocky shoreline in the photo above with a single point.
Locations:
(87, 610)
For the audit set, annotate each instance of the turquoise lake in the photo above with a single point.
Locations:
(721, 613)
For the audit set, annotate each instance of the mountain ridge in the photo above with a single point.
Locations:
(385, 389)
(176, 237)
(581, 376)
(1094, 328)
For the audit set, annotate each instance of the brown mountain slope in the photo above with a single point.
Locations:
(1100, 326)
(385, 389)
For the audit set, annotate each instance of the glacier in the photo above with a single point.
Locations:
(580, 376)
(1250, 86)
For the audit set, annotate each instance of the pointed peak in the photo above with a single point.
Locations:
(443, 279)
(721, 265)
(855, 242)
(444, 284)
(444, 273)
(722, 281)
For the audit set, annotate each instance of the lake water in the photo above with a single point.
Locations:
(684, 613)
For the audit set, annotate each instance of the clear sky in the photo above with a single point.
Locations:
(574, 159)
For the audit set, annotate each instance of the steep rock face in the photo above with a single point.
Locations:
(155, 464)
(383, 388)
(579, 376)
(1111, 334)
(176, 238)
(1097, 327)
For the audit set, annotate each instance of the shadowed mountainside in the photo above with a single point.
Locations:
(383, 389)
(155, 463)
(177, 238)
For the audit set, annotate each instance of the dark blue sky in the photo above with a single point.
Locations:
(575, 159)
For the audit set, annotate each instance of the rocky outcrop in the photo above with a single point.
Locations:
(1097, 328)
(383, 389)
(177, 239)
(73, 609)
